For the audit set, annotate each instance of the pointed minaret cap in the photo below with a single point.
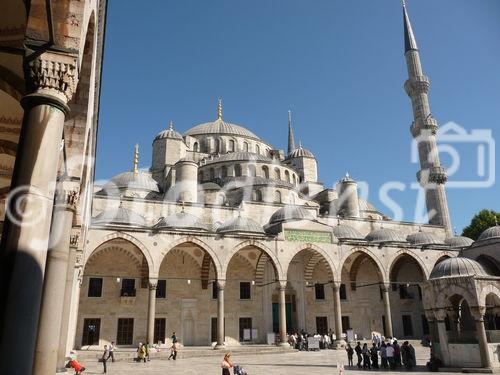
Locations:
(410, 42)
(219, 109)
(171, 125)
(291, 138)
(136, 159)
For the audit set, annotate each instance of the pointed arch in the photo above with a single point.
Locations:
(399, 259)
(317, 254)
(370, 256)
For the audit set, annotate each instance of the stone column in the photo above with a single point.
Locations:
(337, 310)
(282, 309)
(429, 315)
(387, 309)
(478, 313)
(151, 311)
(220, 315)
(51, 81)
(54, 286)
(440, 315)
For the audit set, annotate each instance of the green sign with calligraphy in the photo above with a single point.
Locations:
(299, 235)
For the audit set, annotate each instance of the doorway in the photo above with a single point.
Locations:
(91, 331)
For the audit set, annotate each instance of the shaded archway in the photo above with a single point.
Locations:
(186, 293)
(490, 264)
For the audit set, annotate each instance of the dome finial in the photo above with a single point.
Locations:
(171, 125)
(219, 109)
(300, 144)
(136, 159)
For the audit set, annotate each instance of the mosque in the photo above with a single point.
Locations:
(225, 239)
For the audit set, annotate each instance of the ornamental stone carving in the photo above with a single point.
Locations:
(68, 198)
(53, 74)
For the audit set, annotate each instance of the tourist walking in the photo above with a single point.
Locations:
(173, 351)
(350, 353)
(226, 364)
(104, 358)
(390, 356)
(383, 355)
(366, 356)
(174, 337)
(374, 355)
(112, 348)
(358, 351)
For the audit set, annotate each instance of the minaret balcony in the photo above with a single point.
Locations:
(433, 175)
(417, 85)
(429, 124)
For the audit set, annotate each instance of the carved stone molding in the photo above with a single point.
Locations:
(73, 240)
(68, 198)
(53, 74)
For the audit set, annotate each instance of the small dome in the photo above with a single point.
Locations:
(119, 216)
(490, 233)
(289, 213)
(457, 267)
(423, 238)
(133, 181)
(346, 232)
(169, 133)
(240, 225)
(458, 241)
(300, 152)
(181, 220)
(220, 127)
(383, 235)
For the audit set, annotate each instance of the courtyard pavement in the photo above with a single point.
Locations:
(293, 363)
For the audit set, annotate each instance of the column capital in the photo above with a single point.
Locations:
(67, 198)
(52, 75)
(440, 314)
(478, 312)
(429, 315)
(385, 287)
(153, 284)
(282, 284)
(221, 284)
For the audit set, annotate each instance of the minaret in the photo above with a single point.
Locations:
(432, 176)
(135, 168)
(219, 109)
(291, 140)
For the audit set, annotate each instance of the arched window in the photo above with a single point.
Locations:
(287, 176)
(237, 170)
(223, 171)
(245, 146)
(257, 196)
(196, 147)
(212, 174)
(257, 149)
(278, 173)
(231, 145)
(251, 170)
(277, 197)
(265, 171)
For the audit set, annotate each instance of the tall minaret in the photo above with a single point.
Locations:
(291, 140)
(432, 176)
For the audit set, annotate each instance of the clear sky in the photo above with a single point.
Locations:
(338, 65)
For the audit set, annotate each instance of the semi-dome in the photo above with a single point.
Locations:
(169, 133)
(423, 238)
(300, 152)
(138, 180)
(346, 232)
(458, 241)
(289, 213)
(457, 267)
(181, 220)
(383, 235)
(240, 224)
(490, 233)
(219, 126)
(119, 216)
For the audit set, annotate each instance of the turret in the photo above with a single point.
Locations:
(432, 176)
(183, 181)
(348, 204)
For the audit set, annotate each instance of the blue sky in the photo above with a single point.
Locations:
(338, 65)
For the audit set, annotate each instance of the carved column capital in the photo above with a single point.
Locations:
(67, 198)
(282, 284)
(440, 314)
(221, 284)
(478, 312)
(153, 284)
(53, 75)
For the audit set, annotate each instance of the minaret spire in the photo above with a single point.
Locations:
(291, 140)
(219, 109)
(432, 176)
(136, 159)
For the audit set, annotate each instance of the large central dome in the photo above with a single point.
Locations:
(219, 126)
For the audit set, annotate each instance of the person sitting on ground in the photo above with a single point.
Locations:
(73, 363)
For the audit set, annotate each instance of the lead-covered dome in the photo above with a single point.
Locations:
(169, 133)
(423, 238)
(240, 224)
(490, 233)
(289, 213)
(119, 216)
(458, 241)
(182, 221)
(300, 152)
(457, 267)
(384, 235)
(138, 180)
(346, 232)
(219, 126)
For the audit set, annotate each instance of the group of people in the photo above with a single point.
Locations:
(300, 340)
(392, 355)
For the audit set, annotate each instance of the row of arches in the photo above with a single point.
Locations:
(222, 145)
(250, 170)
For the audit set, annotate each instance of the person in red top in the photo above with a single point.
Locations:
(75, 366)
